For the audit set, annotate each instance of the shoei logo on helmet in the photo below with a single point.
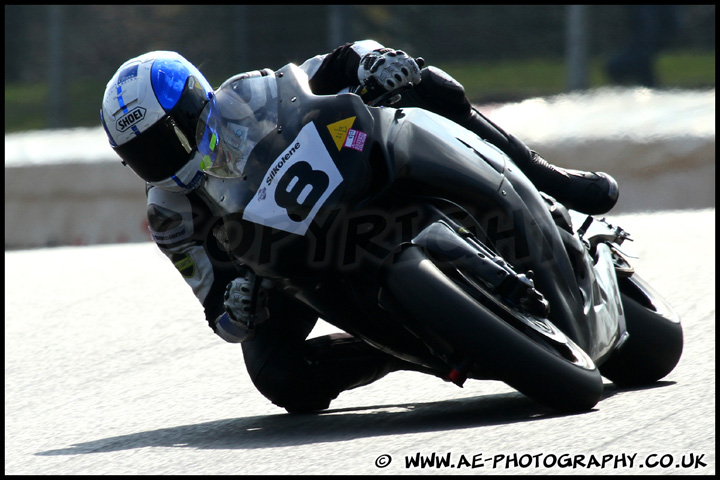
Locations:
(130, 118)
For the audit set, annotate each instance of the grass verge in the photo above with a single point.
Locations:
(26, 104)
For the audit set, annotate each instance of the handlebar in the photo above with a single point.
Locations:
(389, 94)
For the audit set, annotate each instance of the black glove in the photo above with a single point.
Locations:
(246, 300)
(386, 70)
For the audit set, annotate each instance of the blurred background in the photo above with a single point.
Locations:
(58, 58)
(644, 71)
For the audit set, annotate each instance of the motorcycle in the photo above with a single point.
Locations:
(412, 233)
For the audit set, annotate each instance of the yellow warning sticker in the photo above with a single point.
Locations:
(339, 131)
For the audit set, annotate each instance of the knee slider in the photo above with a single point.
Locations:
(293, 391)
(441, 81)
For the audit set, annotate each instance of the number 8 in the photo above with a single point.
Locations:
(289, 199)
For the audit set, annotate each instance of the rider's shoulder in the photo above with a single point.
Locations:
(174, 201)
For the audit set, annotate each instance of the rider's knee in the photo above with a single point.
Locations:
(443, 92)
(292, 390)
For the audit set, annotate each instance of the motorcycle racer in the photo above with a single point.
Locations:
(150, 109)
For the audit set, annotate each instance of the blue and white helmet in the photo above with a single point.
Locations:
(150, 112)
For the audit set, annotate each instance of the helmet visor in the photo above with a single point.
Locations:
(159, 152)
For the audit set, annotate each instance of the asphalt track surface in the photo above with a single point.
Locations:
(111, 369)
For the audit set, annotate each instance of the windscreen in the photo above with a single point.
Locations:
(241, 113)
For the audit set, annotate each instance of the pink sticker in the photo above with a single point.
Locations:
(355, 140)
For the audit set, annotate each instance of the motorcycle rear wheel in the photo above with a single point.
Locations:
(655, 344)
(529, 354)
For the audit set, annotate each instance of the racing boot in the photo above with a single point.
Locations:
(593, 193)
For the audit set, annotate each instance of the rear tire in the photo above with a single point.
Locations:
(656, 338)
(528, 353)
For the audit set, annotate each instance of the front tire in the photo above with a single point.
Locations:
(540, 361)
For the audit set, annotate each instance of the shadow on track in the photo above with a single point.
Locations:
(283, 430)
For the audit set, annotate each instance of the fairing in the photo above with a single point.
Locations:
(321, 191)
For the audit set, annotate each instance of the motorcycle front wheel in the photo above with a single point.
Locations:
(526, 352)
